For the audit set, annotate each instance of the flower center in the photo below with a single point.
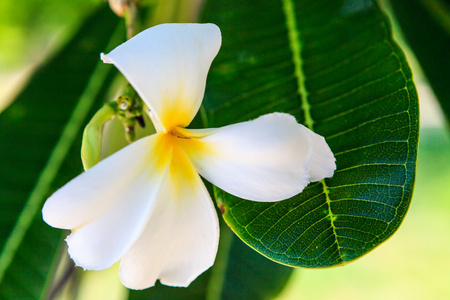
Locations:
(182, 140)
(180, 133)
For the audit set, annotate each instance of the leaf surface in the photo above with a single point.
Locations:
(335, 67)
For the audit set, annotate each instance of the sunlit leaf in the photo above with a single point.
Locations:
(334, 66)
(40, 137)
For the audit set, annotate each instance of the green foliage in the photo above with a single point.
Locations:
(36, 22)
(337, 69)
(429, 38)
(250, 276)
(40, 140)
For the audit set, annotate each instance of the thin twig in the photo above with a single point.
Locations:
(62, 281)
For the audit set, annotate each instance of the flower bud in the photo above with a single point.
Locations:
(119, 6)
(92, 136)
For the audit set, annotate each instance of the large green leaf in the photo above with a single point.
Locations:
(426, 25)
(334, 66)
(40, 137)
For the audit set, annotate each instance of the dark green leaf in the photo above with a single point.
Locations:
(426, 25)
(334, 66)
(40, 137)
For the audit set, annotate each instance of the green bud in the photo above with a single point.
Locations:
(129, 112)
(92, 135)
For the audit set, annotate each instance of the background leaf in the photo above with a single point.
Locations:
(426, 26)
(334, 66)
(40, 138)
(250, 275)
(33, 23)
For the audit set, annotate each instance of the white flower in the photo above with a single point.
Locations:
(146, 204)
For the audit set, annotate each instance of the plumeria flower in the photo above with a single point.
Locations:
(146, 205)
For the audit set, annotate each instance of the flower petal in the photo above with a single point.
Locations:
(167, 65)
(323, 162)
(108, 206)
(181, 237)
(267, 159)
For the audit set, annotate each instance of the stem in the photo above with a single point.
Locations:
(130, 16)
(63, 281)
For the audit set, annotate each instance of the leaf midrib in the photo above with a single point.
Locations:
(296, 49)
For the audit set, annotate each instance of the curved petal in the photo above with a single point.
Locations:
(323, 162)
(267, 159)
(181, 237)
(108, 206)
(167, 65)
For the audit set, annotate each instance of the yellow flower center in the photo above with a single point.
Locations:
(173, 150)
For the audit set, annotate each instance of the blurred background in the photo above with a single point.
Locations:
(413, 264)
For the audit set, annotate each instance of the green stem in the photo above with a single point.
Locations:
(130, 16)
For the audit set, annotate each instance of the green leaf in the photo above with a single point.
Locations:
(238, 273)
(429, 38)
(333, 65)
(40, 138)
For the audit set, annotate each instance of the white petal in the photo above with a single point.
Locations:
(266, 159)
(181, 237)
(108, 206)
(323, 162)
(167, 65)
